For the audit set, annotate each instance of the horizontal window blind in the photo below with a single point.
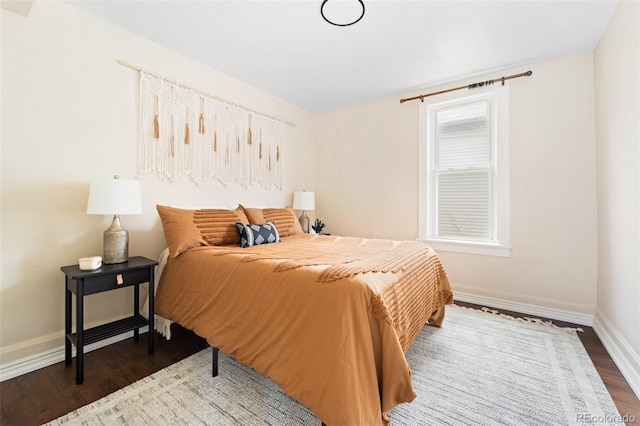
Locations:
(463, 171)
(463, 208)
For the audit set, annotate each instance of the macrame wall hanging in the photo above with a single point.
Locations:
(184, 132)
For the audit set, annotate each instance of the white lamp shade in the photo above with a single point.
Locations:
(114, 196)
(303, 200)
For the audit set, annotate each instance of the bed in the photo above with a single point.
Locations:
(327, 318)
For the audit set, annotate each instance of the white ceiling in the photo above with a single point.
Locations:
(285, 47)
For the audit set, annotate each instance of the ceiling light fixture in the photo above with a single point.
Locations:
(337, 14)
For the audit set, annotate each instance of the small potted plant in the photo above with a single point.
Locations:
(318, 226)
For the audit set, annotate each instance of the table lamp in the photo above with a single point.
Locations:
(303, 200)
(115, 196)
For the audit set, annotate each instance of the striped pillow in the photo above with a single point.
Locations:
(185, 229)
(284, 219)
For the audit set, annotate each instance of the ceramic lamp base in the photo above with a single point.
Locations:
(304, 222)
(116, 243)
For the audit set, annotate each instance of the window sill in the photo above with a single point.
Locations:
(468, 247)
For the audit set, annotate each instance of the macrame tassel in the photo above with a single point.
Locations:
(156, 124)
(260, 151)
(156, 127)
(277, 153)
(249, 141)
(201, 122)
(237, 143)
(269, 162)
(186, 129)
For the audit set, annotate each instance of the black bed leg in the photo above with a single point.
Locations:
(214, 364)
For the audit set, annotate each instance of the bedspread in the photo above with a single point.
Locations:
(326, 318)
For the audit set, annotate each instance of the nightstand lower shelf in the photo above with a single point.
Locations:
(115, 328)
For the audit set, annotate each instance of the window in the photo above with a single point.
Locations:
(464, 170)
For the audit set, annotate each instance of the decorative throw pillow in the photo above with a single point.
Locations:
(253, 235)
(285, 219)
(185, 229)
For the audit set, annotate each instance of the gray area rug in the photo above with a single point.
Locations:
(480, 368)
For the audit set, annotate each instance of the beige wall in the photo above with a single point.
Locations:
(617, 82)
(69, 116)
(367, 185)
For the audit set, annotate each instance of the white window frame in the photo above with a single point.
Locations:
(427, 202)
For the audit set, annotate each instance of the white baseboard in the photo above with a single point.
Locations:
(525, 308)
(627, 360)
(35, 362)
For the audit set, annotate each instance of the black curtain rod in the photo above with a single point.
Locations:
(470, 86)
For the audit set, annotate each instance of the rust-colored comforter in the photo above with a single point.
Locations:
(327, 318)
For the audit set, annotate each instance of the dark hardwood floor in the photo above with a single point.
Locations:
(48, 393)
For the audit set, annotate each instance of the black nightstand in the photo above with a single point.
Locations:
(135, 271)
